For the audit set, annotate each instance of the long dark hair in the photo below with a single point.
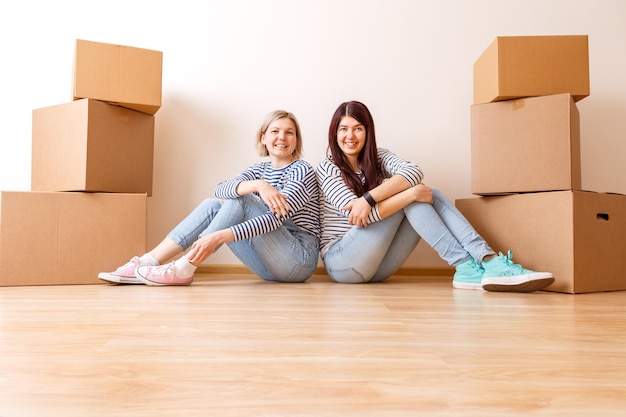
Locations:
(368, 157)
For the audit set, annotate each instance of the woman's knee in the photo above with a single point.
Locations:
(417, 206)
(439, 195)
(210, 205)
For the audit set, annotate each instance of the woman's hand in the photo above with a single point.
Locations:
(422, 193)
(207, 245)
(359, 211)
(276, 201)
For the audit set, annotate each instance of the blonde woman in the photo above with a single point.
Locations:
(268, 216)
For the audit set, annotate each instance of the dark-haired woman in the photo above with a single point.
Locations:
(376, 209)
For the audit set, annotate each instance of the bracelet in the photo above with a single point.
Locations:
(370, 200)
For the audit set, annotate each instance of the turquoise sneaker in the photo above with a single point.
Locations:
(468, 276)
(501, 274)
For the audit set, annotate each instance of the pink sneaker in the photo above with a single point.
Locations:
(160, 275)
(125, 274)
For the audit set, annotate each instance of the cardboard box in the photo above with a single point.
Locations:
(88, 145)
(576, 235)
(526, 145)
(526, 66)
(68, 238)
(123, 75)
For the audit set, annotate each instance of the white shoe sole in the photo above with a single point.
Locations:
(118, 279)
(467, 286)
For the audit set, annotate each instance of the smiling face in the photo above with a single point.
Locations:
(280, 139)
(351, 138)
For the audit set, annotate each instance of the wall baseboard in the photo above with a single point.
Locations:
(409, 271)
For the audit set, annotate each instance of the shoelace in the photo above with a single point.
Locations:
(508, 260)
(163, 269)
(476, 267)
(130, 264)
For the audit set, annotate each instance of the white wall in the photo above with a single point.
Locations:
(229, 62)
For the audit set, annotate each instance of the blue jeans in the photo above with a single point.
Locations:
(376, 252)
(287, 254)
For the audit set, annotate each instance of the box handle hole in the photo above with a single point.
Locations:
(602, 216)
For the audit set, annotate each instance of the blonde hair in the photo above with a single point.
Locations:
(269, 118)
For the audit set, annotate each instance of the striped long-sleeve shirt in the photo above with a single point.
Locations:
(336, 193)
(296, 181)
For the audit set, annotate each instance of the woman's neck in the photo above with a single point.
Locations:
(281, 162)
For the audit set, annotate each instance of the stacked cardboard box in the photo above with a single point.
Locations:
(91, 173)
(526, 165)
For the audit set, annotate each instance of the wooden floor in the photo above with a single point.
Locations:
(238, 346)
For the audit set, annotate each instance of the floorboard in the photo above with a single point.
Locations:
(238, 346)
